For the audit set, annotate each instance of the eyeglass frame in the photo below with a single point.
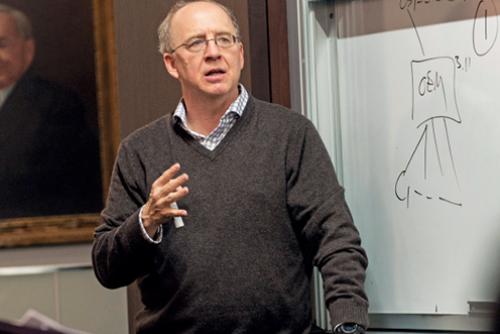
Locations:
(234, 38)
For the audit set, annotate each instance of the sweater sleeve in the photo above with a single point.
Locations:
(325, 227)
(120, 253)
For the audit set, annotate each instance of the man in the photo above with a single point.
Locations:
(262, 206)
(49, 156)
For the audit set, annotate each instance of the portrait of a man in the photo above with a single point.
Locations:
(49, 151)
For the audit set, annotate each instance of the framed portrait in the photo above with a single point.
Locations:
(58, 119)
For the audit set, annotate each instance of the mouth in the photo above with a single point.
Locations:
(214, 72)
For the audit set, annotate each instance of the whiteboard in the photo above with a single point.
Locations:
(419, 112)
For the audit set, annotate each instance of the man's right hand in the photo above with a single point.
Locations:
(166, 190)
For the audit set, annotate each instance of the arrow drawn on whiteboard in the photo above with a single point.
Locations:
(430, 172)
(416, 32)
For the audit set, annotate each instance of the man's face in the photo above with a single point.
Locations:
(213, 71)
(16, 53)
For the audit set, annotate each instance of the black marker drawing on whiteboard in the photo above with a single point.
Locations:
(485, 27)
(463, 63)
(414, 4)
(431, 168)
(416, 32)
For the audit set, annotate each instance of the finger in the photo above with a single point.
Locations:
(171, 186)
(162, 214)
(160, 191)
(172, 197)
(178, 213)
(167, 175)
(160, 203)
(178, 221)
(169, 212)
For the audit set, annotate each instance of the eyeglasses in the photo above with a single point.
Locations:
(197, 44)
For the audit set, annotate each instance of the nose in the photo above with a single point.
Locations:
(212, 51)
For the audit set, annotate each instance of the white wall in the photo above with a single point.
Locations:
(58, 281)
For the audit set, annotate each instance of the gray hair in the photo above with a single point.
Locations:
(164, 34)
(23, 24)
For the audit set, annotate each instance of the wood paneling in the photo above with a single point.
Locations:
(278, 52)
(259, 50)
(145, 90)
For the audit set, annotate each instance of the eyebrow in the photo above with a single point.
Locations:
(202, 35)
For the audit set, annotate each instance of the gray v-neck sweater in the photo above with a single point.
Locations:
(263, 207)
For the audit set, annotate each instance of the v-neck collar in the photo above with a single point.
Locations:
(178, 130)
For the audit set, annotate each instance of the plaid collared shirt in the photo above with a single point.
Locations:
(226, 122)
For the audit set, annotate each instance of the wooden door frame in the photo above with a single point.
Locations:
(269, 50)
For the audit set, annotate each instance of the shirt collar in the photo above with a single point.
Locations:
(4, 94)
(237, 107)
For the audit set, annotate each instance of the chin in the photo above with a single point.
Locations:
(220, 90)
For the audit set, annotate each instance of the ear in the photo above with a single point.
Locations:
(242, 56)
(169, 62)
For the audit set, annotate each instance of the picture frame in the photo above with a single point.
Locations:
(98, 25)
